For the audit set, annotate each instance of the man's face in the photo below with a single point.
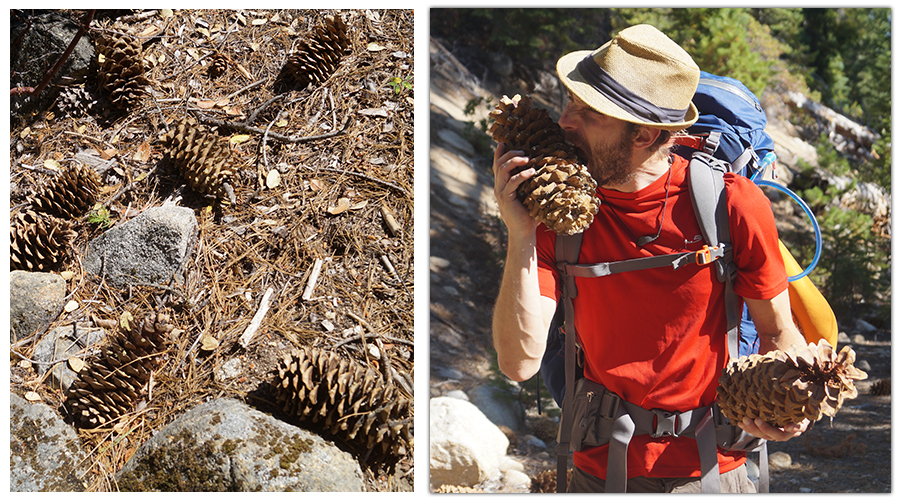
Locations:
(605, 142)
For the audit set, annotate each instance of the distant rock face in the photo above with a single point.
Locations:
(44, 452)
(150, 248)
(225, 445)
(34, 300)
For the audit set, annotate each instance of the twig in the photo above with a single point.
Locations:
(372, 336)
(313, 276)
(242, 127)
(364, 176)
(257, 319)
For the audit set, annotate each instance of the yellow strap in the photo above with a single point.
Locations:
(811, 311)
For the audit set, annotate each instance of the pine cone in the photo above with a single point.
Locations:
(348, 400)
(218, 66)
(76, 102)
(316, 59)
(38, 242)
(121, 68)
(110, 385)
(70, 194)
(545, 482)
(202, 158)
(784, 387)
(562, 193)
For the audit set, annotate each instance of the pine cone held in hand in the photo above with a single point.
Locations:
(784, 387)
(562, 193)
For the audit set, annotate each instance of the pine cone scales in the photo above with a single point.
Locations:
(70, 194)
(205, 161)
(121, 68)
(38, 242)
(109, 386)
(347, 399)
(317, 58)
(784, 387)
(562, 193)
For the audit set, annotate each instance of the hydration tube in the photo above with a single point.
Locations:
(766, 161)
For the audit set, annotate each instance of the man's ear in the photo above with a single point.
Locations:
(646, 137)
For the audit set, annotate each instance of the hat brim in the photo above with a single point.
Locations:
(567, 69)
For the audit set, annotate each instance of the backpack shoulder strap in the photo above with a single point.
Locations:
(567, 250)
(707, 188)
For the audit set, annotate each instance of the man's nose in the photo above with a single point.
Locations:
(565, 120)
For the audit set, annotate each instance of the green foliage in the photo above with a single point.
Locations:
(399, 84)
(100, 216)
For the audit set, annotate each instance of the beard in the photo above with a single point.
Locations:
(609, 164)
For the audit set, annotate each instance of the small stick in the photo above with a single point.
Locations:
(257, 319)
(311, 284)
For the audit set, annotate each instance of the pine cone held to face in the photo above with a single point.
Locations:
(784, 387)
(562, 193)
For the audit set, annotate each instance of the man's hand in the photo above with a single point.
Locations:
(759, 428)
(513, 213)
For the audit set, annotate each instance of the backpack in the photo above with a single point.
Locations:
(728, 136)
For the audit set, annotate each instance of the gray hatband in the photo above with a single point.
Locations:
(634, 104)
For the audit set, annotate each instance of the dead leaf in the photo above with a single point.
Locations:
(208, 342)
(342, 206)
(316, 185)
(374, 47)
(32, 396)
(110, 153)
(244, 71)
(239, 139)
(258, 22)
(374, 112)
(194, 53)
(166, 13)
(273, 179)
(67, 275)
(76, 364)
(51, 165)
(125, 320)
(358, 205)
(71, 306)
(143, 152)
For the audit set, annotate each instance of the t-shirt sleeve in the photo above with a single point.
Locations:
(548, 276)
(761, 274)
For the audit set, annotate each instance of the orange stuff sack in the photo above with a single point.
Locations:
(812, 314)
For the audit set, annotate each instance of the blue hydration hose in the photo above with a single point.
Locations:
(765, 162)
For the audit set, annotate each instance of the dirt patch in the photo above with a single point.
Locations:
(342, 154)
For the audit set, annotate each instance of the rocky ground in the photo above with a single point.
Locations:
(323, 181)
(852, 453)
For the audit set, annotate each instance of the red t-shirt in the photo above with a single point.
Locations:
(657, 337)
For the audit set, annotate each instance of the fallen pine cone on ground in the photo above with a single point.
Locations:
(784, 387)
(562, 193)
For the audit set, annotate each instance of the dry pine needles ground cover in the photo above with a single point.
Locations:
(320, 235)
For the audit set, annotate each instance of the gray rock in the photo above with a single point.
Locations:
(225, 445)
(465, 447)
(150, 248)
(499, 406)
(34, 301)
(780, 460)
(44, 452)
(59, 344)
(451, 138)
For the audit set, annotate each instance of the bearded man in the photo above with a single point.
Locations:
(654, 338)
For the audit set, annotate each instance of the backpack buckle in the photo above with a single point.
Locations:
(709, 254)
(664, 424)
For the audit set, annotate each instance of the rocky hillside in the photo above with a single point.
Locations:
(850, 454)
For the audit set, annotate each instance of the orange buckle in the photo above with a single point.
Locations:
(706, 254)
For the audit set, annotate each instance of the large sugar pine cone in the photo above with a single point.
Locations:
(111, 383)
(785, 387)
(70, 194)
(562, 193)
(121, 67)
(38, 242)
(316, 59)
(347, 399)
(202, 158)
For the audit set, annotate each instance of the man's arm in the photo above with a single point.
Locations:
(521, 319)
(776, 330)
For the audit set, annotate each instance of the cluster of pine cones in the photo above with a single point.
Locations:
(40, 237)
(351, 401)
(562, 193)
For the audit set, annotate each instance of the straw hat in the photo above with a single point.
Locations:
(640, 76)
